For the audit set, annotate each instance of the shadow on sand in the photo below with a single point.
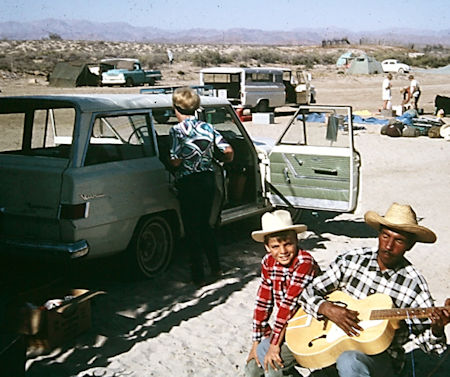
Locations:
(133, 311)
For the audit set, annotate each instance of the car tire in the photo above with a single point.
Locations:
(129, 82)
(262, 106)
(401, 70)
(152, 246)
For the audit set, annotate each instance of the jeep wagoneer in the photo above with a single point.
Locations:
(87, 175)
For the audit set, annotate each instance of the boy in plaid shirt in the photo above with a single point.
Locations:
(285, 271)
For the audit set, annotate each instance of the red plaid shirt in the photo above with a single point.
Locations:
(281, 285)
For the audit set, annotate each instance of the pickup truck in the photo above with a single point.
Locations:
(128, 72)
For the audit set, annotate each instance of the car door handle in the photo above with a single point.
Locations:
(286, 175)
(300, 162)
(325, 171)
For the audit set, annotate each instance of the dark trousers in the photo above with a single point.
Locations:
(196, 195)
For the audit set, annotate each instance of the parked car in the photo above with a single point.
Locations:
(88, 175)
(124, 71)
(393, 65)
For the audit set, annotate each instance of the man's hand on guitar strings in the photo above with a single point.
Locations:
(345, 318)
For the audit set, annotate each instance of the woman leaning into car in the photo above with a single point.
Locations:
(191, 154)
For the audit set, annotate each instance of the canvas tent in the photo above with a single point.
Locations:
(345, 59)
(73, 74)
(365, 65)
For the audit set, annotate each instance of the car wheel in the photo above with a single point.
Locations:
(152, 246)
(262, 106)
(401, 70)
(129, 82)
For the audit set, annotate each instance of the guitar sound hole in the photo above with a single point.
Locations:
(310, 344)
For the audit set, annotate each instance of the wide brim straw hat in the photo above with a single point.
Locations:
(401, 217)
(274, 222)
(445, 131)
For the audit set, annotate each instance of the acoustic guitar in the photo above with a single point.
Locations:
(317, 344)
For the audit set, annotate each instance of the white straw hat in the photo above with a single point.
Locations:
(445, 131)
(274, 222)
(401, 217)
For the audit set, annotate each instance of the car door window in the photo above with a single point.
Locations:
(120, 137)
(321, 129)
(314, 164)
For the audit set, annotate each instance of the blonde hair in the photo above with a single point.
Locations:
(185, 100)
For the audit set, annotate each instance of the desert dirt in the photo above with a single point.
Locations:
(168, 327)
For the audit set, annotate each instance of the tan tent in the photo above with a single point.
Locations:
(365, 65)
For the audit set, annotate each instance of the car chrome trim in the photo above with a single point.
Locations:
(72, 250)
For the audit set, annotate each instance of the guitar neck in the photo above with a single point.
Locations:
(403, 313)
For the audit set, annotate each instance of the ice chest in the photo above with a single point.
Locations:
(263, 118)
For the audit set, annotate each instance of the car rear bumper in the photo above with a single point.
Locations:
(43, 248)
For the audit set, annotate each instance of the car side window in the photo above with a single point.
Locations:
(38, 132)
(119, 138)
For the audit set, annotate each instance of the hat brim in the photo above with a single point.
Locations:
(422, 233)
(259, 235)
(445, 131)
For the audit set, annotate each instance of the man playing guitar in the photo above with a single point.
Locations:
(367, 271)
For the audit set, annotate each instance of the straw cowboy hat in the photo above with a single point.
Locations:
(445, 131)
(274, 222)
(403, 218)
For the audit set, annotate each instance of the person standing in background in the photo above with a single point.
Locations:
(414, 91)
(386, 92)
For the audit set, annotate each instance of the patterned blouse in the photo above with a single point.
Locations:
(192, 141)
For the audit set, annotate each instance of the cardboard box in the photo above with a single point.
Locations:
(48, 328)
(263, 118)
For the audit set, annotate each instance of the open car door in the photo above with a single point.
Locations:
(314, 164)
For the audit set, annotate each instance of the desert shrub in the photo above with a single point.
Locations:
(260, 55)
(54, 37)
(207, 58)
(306, 60)
(5, 64)
(153, 60)
(429, 61)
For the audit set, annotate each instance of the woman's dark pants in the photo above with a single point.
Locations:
(196, 195)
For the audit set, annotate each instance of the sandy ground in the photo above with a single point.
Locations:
(169, 328)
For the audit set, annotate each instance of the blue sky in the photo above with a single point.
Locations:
(285, 15)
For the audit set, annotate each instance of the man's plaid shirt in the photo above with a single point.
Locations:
(358, 274)
(280, 285)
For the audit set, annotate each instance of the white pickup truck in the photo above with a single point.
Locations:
(260, 88)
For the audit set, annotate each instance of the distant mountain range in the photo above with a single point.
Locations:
(114, 31)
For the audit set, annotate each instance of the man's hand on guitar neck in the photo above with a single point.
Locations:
(439, 319)
(346, 319)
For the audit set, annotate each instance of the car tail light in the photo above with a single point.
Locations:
(74, 211)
